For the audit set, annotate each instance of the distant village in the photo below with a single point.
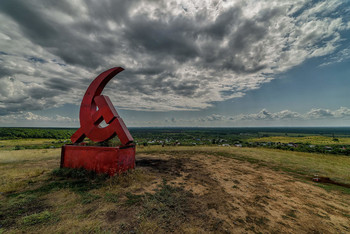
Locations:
(291, 146)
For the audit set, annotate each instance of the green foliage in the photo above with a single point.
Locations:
(18, 147)
(306, 147)
(55, 133)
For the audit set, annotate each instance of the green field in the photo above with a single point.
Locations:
(313, 140)
(31, 143)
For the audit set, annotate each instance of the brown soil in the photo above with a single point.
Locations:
(239, 197)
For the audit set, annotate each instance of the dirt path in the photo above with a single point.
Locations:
(239, 197)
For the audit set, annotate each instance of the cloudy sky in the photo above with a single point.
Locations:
(187, 63)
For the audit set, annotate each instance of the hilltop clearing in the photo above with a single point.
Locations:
(176, 189)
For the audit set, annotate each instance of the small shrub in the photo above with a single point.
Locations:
(18, 147)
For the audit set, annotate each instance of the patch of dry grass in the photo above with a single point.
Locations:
(30, 141)
(20, 156)
(334, 166)
(19, 167)
(37, 197)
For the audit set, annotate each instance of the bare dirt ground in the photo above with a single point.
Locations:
(231, 196)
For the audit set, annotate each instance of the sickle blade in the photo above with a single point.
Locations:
(90, 118)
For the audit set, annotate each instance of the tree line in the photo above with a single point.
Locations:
(52, 133)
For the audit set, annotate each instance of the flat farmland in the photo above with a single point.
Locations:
(316, 140)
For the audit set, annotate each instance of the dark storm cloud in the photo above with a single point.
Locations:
(223, 24)
(4, 72)
(36, 60)
(182, 89)
(173, 38)
(59, 84)
(40, 92)
(184, 55)
(32, 22)
(70, 43)
(25, 104)
(178, 38)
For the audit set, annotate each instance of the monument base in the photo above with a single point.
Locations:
(109, 160)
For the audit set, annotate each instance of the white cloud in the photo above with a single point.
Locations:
(319, 113)
(266, 115)
(284, 115)
(30, 117)
(339, 57)
(214, 117)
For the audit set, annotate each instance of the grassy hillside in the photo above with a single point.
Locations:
(176, 189)
(303, 164)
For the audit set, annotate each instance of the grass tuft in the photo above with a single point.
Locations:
(133, 199)
(87, 198)
(111, 197)
(44, 217)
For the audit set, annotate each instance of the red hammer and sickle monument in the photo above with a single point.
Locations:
(93, 110)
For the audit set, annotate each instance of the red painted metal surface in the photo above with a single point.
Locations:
(91, 117)
(109, 160)
(93, 110)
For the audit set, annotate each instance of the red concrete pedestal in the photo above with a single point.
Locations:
(109, 160)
